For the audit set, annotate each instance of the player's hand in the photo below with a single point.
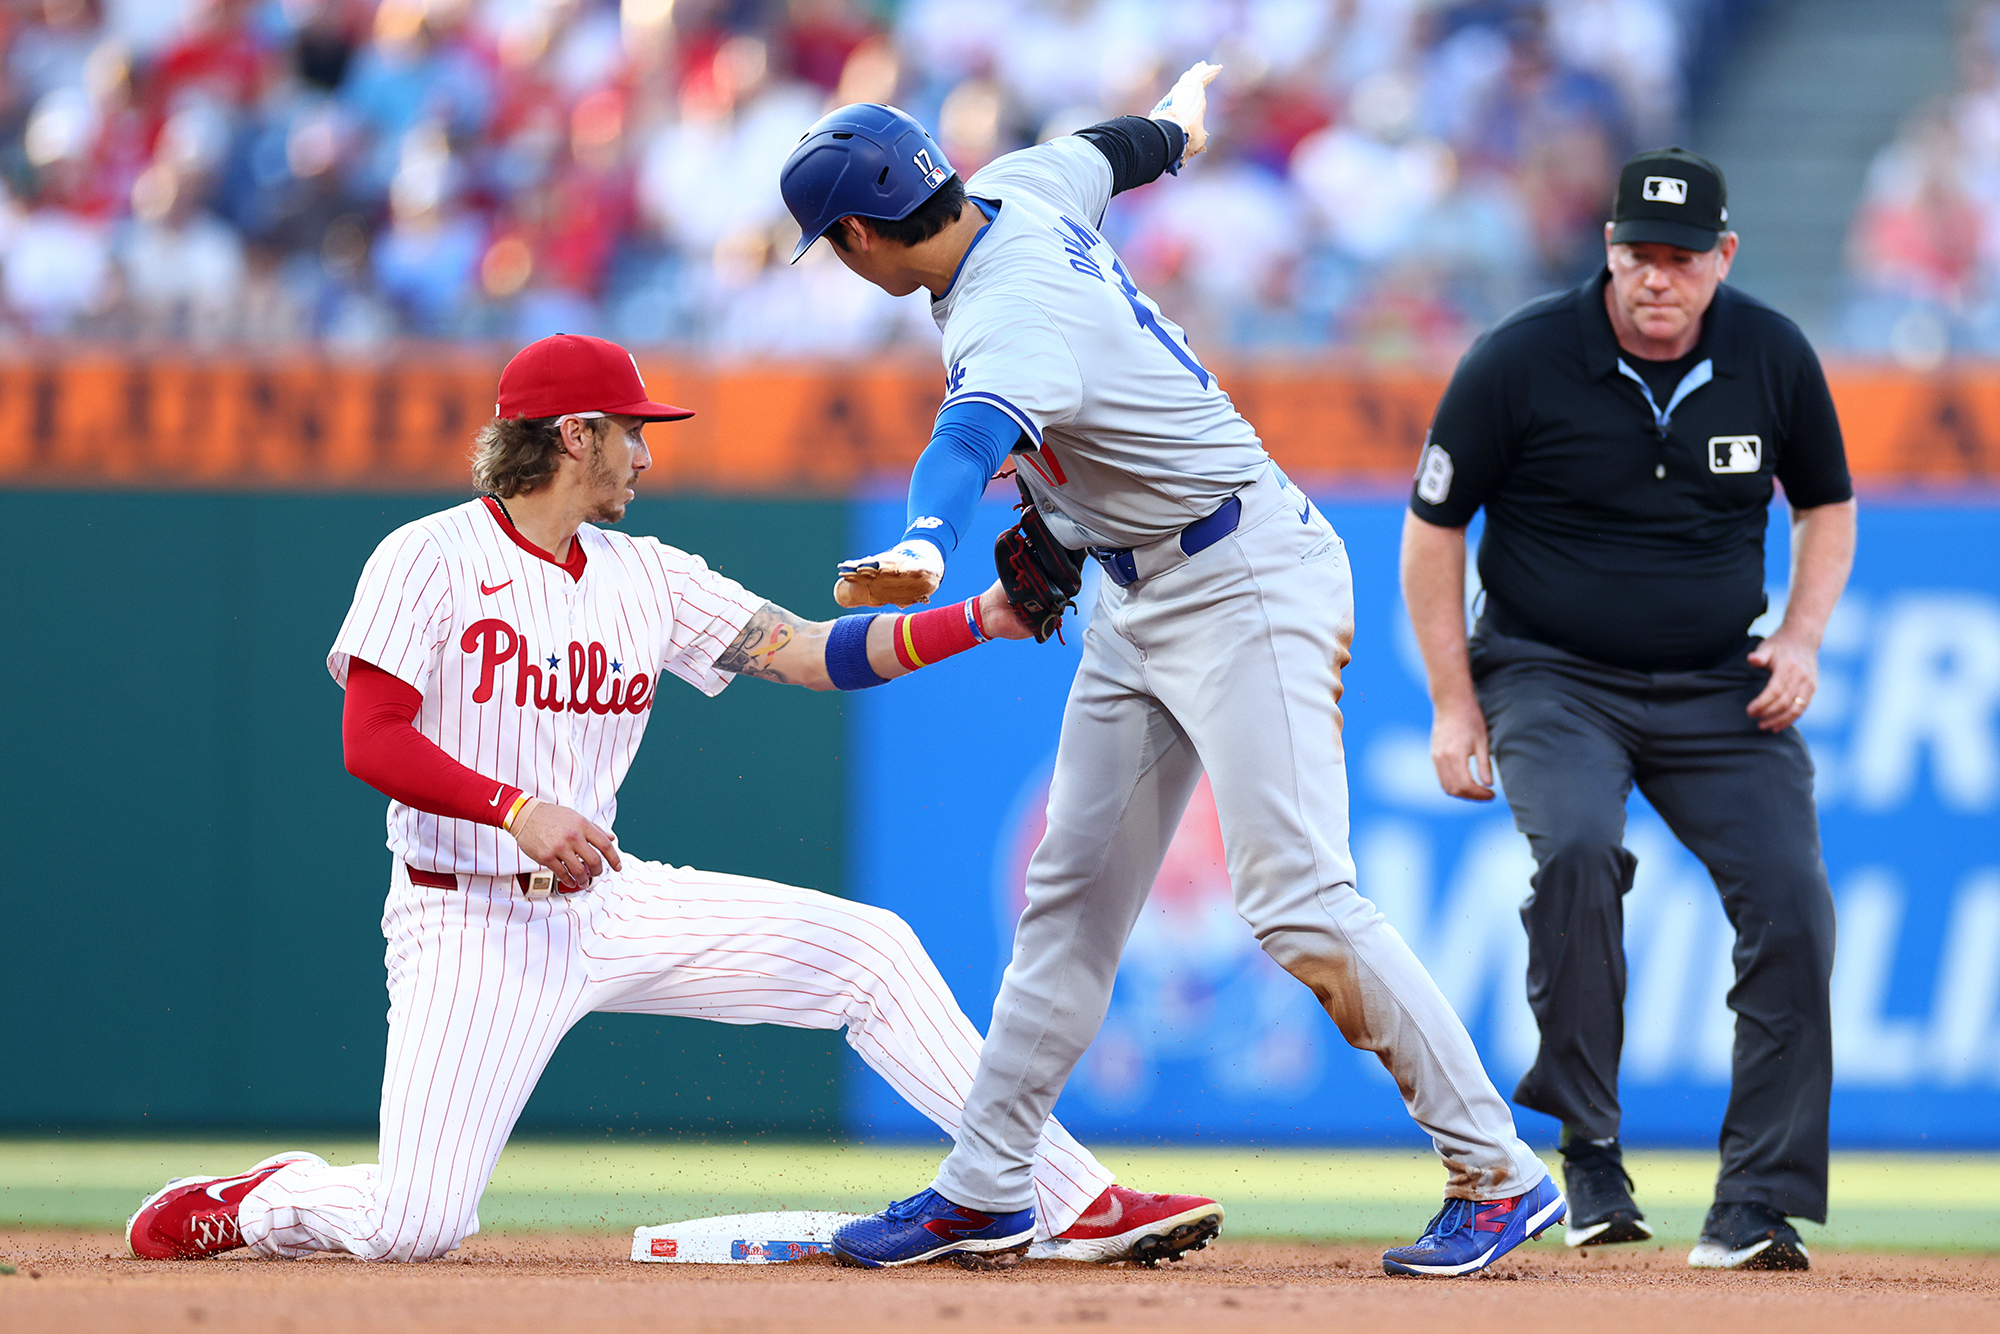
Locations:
(1458, 743)
(907, 572)
(1186, 104)
(1794, 669)
(571, 846)
(997, 614)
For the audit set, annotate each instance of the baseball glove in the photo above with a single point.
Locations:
(1040, 575)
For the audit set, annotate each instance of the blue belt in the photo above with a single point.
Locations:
(1197, 536)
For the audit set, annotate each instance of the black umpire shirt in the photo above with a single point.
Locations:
(1623, 523)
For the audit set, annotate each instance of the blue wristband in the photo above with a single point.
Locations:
(847, 654)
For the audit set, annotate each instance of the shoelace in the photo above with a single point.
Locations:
(214, 1231)
(904, 1210)
(1448, 1220)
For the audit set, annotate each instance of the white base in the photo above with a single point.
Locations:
(739, 1239)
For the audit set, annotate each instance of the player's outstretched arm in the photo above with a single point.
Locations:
(967, 444)
(865, 650)
(1186, 105)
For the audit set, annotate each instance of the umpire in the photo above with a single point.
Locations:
(1623, 438)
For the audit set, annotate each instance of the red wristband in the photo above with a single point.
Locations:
(932, 636)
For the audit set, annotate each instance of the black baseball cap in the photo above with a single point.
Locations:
(1672, 197)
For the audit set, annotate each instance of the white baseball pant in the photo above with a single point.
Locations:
(483, 983)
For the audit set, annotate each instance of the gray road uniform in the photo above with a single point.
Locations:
(1217, 643)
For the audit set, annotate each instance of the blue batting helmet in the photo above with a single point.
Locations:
(862, 160)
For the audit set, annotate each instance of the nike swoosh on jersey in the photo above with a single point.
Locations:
(495, 589)
(497, 794)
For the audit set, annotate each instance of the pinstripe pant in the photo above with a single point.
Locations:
(483, 983)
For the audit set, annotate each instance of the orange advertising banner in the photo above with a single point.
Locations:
(100, 419)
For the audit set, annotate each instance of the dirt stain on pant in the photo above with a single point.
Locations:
(1471, 1183)
(1337, 983)
(1365, 1018)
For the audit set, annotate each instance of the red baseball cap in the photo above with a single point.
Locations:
(567, 373)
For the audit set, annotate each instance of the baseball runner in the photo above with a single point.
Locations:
(1217, 642)
(501, 660)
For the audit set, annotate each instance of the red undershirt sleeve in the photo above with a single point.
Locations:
(385, 750)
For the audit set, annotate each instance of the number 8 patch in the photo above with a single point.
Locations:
(1434, 475)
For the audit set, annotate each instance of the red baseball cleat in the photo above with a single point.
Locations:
(191, 1217)
(1124, 1224)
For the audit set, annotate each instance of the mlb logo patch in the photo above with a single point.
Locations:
(1735, 453)
(1665, 189)
(933, 175)
(666, 1247)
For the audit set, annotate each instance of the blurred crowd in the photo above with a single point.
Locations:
(1924, 249)
(1386, 176)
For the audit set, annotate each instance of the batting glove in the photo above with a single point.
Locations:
(908, 572)
(1186, 104)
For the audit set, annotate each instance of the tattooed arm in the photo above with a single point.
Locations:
(779, 646)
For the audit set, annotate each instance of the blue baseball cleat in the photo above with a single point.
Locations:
(1468, 1235)
(926, 1226)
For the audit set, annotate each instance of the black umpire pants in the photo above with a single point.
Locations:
(1570, 738)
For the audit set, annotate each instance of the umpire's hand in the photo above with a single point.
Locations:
(571, 846)
(1458, 744)
(1794, 668)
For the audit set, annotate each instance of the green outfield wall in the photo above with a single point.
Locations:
(194, 883)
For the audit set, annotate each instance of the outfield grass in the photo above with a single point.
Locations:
(1887, 1201)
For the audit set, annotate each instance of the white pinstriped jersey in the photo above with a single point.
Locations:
(528, 675)
(1133, 437)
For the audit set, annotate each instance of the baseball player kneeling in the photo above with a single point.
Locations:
(501, 660)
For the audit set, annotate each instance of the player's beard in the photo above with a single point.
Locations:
(604, 480)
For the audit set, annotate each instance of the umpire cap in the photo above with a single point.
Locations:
(1672, 197)
(862, 160)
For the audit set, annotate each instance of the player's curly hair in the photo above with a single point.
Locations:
(929, 218)
(514, 455)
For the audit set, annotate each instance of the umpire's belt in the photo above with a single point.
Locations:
(1128, 565)
(446, 880)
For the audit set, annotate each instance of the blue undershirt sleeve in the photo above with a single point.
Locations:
(967, 446)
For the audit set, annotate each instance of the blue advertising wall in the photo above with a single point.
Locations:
(1207, 1040)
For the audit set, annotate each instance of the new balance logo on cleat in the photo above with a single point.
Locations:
(927, 1226)
(1468, 1235)
(966, 1223)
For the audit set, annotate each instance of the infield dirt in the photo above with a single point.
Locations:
(83, 1283)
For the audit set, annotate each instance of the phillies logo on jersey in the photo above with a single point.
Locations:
(597, 683)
